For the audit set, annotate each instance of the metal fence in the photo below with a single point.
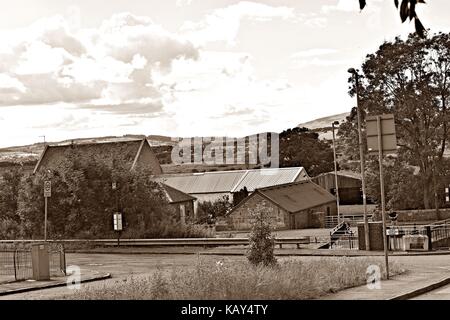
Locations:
(16, 261)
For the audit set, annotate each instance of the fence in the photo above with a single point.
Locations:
(16, 262)
(345, 242)
(353, 220)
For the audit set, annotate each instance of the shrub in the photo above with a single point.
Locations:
(261, 240)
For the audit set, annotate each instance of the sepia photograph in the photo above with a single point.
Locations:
(220, 157)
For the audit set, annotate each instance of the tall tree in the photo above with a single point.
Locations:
(411, 79)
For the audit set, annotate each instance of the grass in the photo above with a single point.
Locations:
(289, 280)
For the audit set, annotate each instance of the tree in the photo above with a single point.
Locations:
(407, 10)
(411, 79)
(300, 147)
(261, 240)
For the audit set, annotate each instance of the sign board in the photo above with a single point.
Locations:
(47, 189)
(117, 220)
(114, 185)
(447, 195)
(392, 232)
(388, 135)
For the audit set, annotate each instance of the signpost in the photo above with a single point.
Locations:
(117, 222)
(382, 140)
(47, 194)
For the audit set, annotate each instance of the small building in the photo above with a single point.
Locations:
(298, 205)
(130, 153)
(181, 202)
(349, 183)
(212, 186)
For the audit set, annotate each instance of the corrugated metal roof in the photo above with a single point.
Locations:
(255, 179)
(343, 173)
(298, 196)
(232, 181)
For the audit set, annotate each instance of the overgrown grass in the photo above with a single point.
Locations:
(289, 280)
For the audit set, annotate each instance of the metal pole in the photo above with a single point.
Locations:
(335, 176)
(363, 161)
(383, 208)
(45, 220)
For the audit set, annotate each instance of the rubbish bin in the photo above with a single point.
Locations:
(40, 262)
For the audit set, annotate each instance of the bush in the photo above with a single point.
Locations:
(261, 240)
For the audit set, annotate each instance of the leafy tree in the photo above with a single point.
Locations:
(261, 240)
(407, 9)
(213, 209)
(239, 196)
(302, 147)
(411, 79)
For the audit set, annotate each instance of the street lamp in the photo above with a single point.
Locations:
(362, 157)
(335, 172)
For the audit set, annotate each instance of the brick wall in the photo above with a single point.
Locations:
(375, 236)
(423, 215)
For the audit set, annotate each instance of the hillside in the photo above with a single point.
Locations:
(323, 125)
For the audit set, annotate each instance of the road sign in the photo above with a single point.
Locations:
(47, 189)
(388, 135)
(117, 220)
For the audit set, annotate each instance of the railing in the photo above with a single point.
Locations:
(165, 242)
(16, 261)
(345, 242)
(353, 220)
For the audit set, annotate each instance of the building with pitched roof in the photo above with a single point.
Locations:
(181, 202)
(131, 153)
(212, 186)
(297, 205)
(349, 183)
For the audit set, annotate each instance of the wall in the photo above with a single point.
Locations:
(411, 216)
(375, 236)
(241, 217)
(147, 158)
(203, 197)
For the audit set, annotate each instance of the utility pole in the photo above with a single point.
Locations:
(383, 201)
(335, 172)
(362, 158)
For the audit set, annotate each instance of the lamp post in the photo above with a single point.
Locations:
(362, 158)
(335, 172)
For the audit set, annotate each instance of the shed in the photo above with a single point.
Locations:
(349, 183)
(212, 186)
(296, 205)
(182, 203)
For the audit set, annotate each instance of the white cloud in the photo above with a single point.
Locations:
(50, 62)
(183, 3)
(223, 24)
(313, 52)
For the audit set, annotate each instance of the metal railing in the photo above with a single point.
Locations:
(165, 242)
(16, 261)
(345, 242)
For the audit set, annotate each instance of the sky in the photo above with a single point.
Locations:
(73, 69)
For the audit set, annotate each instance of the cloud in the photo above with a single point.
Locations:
(313, 52)
(224, 24)
(183, 3)
(51, 62)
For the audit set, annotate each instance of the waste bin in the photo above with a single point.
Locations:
(40, 262)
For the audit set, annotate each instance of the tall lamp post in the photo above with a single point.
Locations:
(362, 157)
(335, 172)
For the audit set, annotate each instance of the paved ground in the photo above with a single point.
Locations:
(422, 271)
(438, 294)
